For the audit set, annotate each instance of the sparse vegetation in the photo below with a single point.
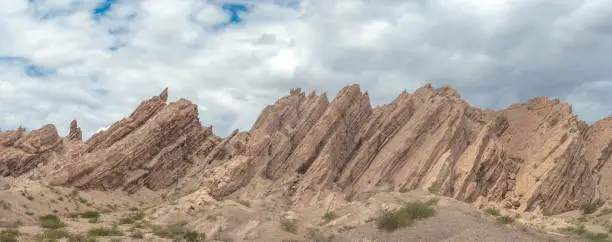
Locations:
(90, 214)
(432, 201)
(316, 235)
(597, 237)
(244, 203)
(50, 221)
(592, 206)
(53, 235)
(178, 231)
(137, 235)
(5, 205)
(505, 219)
(434, 188)
(492, 211)
(604, 212)
(27, 195)
(114, 231)
(406, 215)
(581, 231)
(132, 217)
(9, 235)
(329, 216)
(289, 225)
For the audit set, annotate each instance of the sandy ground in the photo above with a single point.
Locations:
(22, 202)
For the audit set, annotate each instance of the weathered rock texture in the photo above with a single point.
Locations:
(532, 155)
(75, 132)
(21, 151)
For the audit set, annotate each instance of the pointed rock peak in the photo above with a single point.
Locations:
(324, 95)
(538, 100)
(402, 96)
(295, 91)
(75, 131)
(312, 94)
(164, 95)
(351, 88)
(448, 91)
(236, 131)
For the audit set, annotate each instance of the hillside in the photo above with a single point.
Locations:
(306, 155)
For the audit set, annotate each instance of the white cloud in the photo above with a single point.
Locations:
(495, 53)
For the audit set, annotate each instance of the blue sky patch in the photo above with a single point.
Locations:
(29, 68)
(103, 8)
(33, 70)
(234, 10)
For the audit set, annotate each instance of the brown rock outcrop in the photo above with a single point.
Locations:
(530, 156)
(21, 151)
(151, 148)
(75, 132)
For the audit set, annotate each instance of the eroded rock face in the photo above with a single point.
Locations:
(75, 132)
(151, 148)
(21, 151)
(534, 155)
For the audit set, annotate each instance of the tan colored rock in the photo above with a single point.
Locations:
(531, 156)
(21, 151)
(75, 132)
(152, 148)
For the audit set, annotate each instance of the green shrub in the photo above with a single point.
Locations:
(137, 235)
(433, 201)
(592, 206)
(390, 221)
(405, 216)
(315, 235)
(178, 232)
(132, 217)
(492, 211)
(433, 189)
(604, 212)
(50, 221)
(598, 237)
(114, 231)
(9, 235)
(90, 214)
(245, 203)
(329, 216)
(575, 230)
(289, 225)
(505, 220)
(11, 225)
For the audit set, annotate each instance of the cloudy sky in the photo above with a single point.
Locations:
(95, 60)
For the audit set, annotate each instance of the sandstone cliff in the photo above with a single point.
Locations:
(530, 156)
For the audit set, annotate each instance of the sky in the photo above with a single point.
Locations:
(96, 60)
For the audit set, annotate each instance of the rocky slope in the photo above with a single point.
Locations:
(531, 156)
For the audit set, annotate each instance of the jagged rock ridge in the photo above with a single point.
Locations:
(532, 155)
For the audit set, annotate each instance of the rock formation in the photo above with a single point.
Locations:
(530, 156)
(21, 151)
(75, 132)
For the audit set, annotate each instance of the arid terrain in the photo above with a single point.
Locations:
(426, 167)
